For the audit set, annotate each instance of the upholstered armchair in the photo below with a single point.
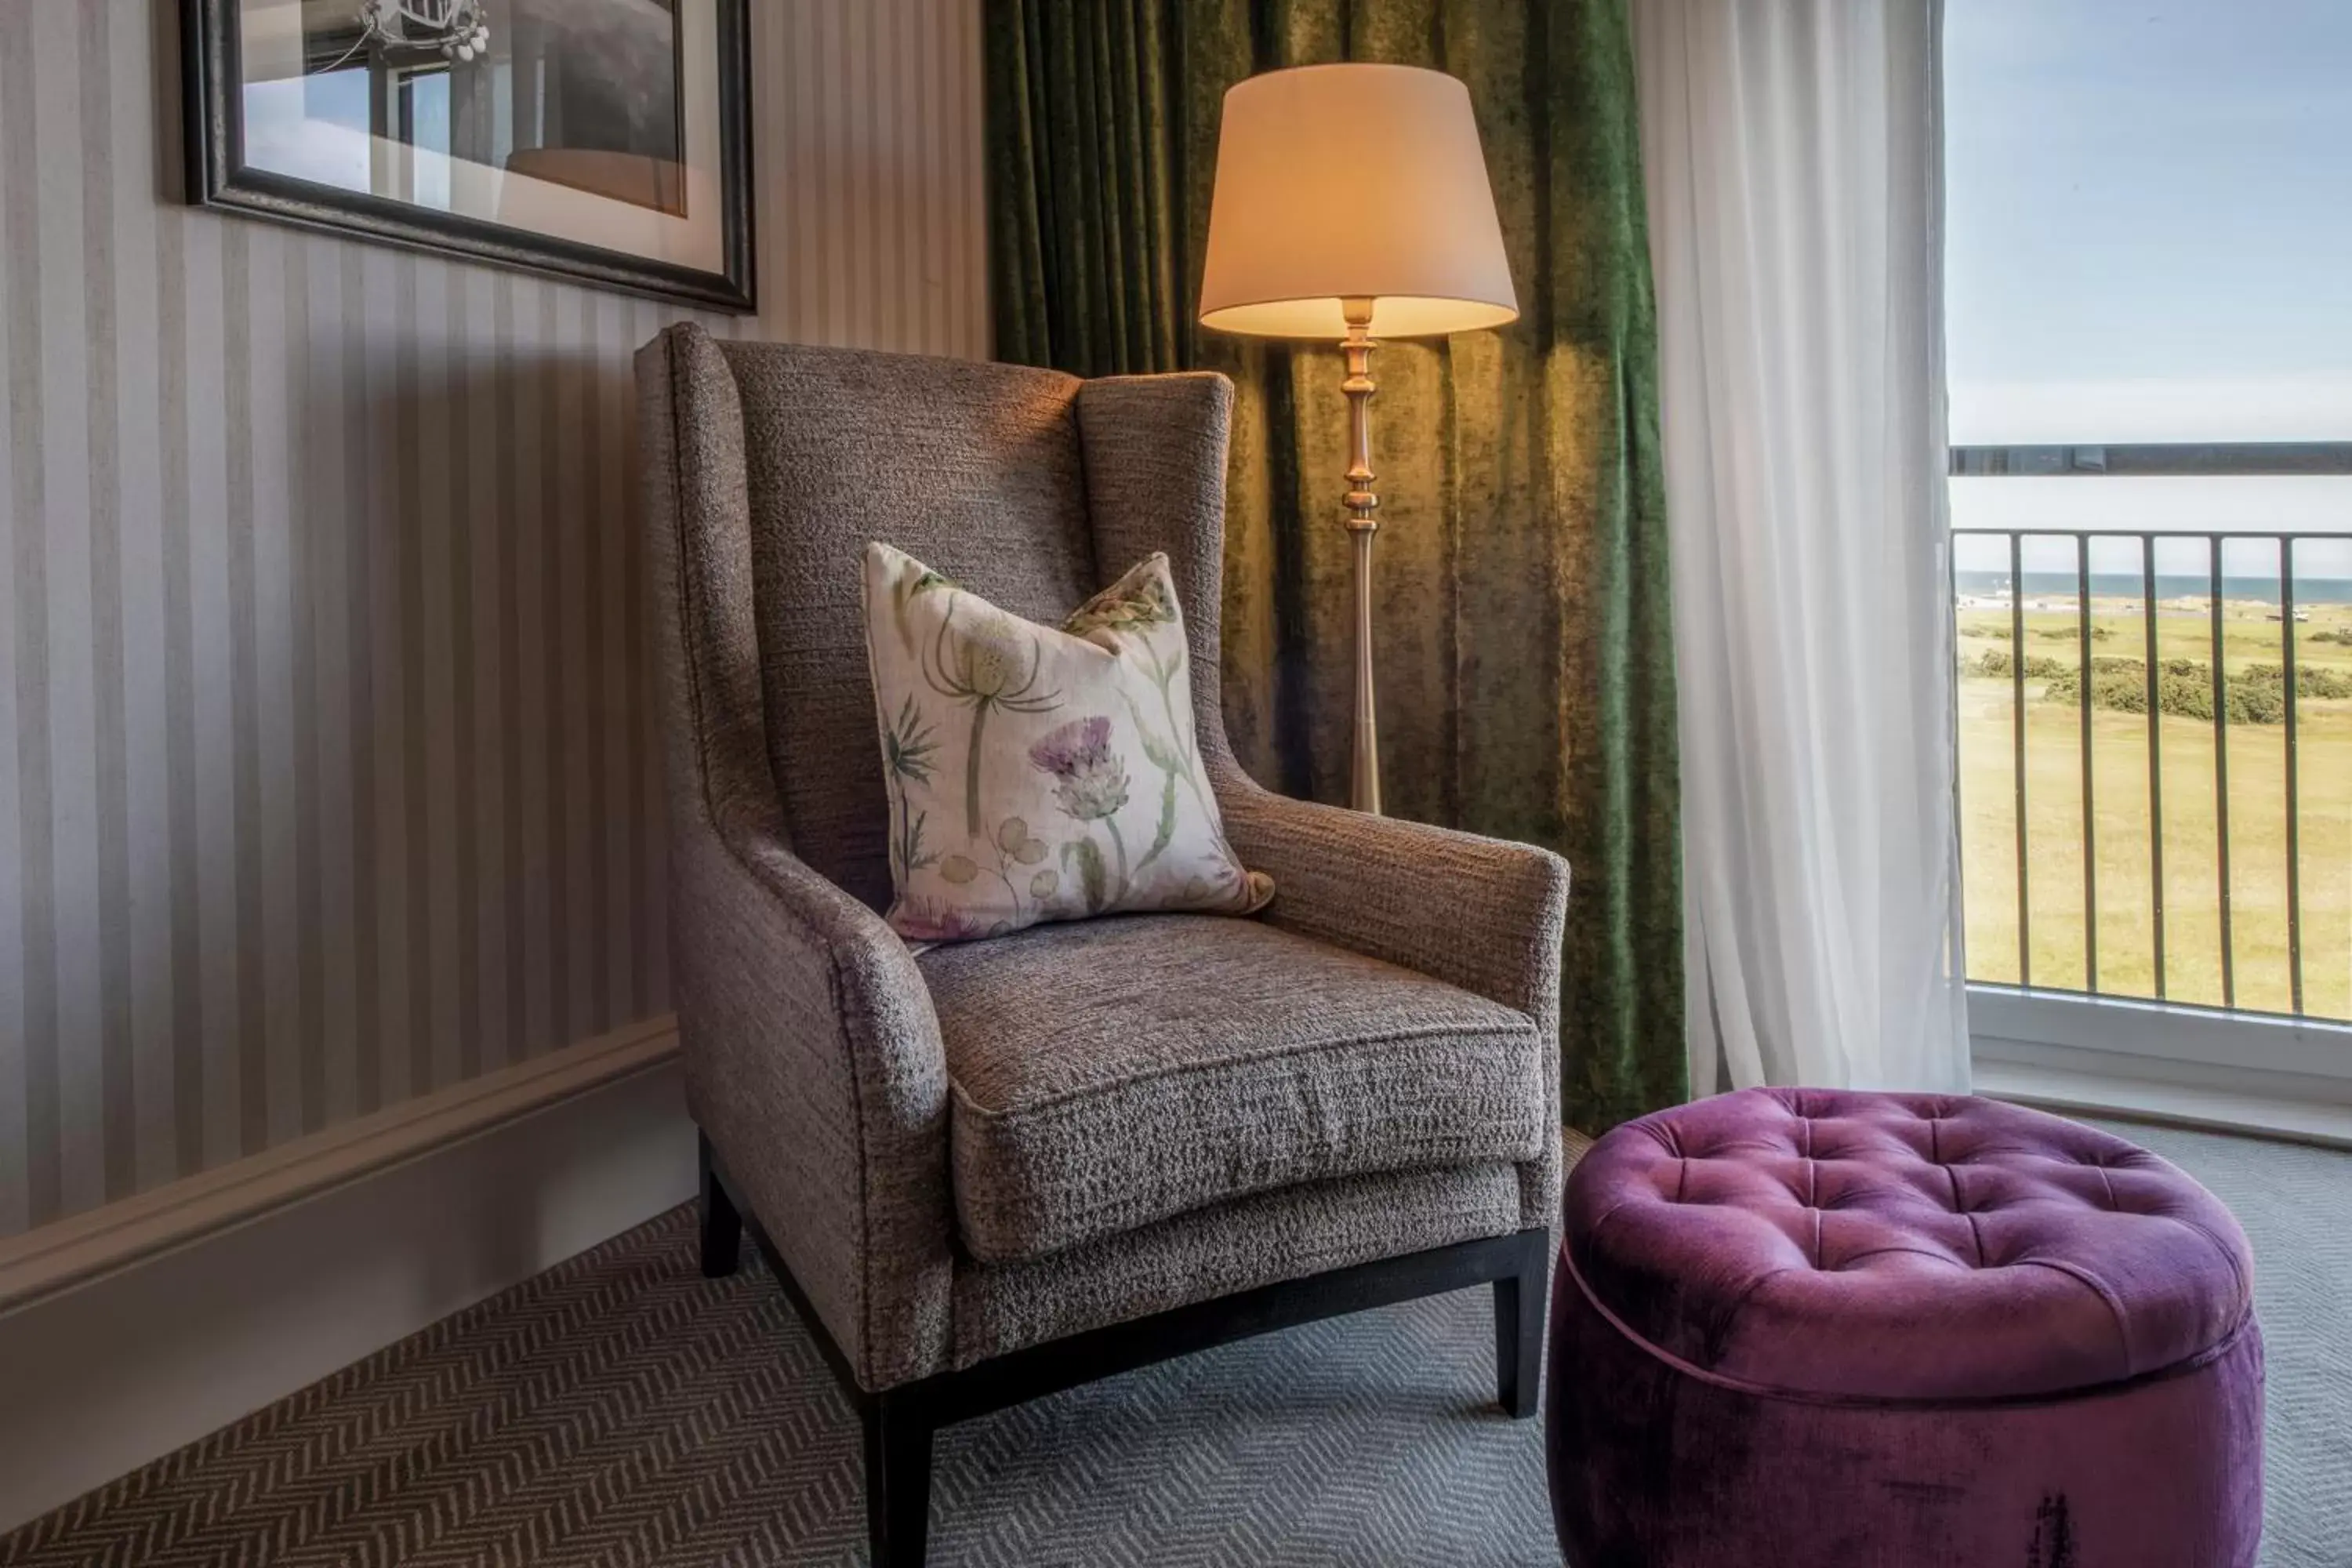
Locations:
(991, 1170)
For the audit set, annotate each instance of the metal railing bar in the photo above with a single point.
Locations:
(2290, 601)
(2221, 779)
(2145, 459)
(2016, 747)
(2155, 752)
(2187, 533)
(2293, 805)
(2090, 799)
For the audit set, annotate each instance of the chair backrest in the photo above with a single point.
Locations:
(994, 474)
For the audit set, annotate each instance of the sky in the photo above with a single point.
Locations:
(2149, 214)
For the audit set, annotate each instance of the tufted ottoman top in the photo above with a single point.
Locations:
(1900, 1247)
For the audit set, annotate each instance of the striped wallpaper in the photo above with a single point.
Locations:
(327, 773)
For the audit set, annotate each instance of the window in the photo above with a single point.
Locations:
(2149, 346)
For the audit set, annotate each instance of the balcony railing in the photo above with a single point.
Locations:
(2110, 679)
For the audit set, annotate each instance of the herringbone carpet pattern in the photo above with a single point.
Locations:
(2296, 1205)
(622, 1410)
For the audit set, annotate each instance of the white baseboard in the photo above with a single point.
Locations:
(127, 1332)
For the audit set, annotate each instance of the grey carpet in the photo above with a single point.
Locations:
(622, 1410)
(2295, 1203)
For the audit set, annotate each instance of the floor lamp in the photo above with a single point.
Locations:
(1351, 204)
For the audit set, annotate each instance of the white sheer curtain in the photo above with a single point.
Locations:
(1794, 157)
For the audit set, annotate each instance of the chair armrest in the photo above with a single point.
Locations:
(814, 1063)
(1483, 914)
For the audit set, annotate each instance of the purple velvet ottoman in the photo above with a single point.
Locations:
(1801, 1326)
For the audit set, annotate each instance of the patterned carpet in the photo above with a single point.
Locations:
(622, 1410)
(2294, 1202)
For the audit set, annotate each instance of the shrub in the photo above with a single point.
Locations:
(2310, 681)
(2184, 690)
(1995, 662)
(2119, 692)
(2190, 696)
(2071, 634)
(2184, 694)
(2253, 703)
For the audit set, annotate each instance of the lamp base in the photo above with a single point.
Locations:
(1364, 767)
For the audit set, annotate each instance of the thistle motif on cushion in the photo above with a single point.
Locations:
(1047, 805)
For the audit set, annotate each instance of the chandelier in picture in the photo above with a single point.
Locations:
(458, 29)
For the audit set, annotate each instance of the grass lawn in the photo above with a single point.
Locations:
(2119, 761)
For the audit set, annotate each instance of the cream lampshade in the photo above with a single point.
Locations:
(1351, 204)
(1352, 181)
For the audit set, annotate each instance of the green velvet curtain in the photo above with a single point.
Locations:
(1524, 657)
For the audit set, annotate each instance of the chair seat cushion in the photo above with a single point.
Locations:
(1110, 1074)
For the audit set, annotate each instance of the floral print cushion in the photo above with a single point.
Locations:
(1036, 774)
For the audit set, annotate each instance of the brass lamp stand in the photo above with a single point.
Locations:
(1364, 767)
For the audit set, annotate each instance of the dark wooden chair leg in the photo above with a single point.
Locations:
(1520, 1303)
(722, 1227)
(897, 1481)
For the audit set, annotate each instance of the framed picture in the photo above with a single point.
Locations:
(605, 140)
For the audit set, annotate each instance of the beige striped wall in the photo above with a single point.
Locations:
(326, 771)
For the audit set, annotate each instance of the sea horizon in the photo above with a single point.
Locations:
(2169, 585)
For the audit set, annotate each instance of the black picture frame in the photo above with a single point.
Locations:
(217, 176)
